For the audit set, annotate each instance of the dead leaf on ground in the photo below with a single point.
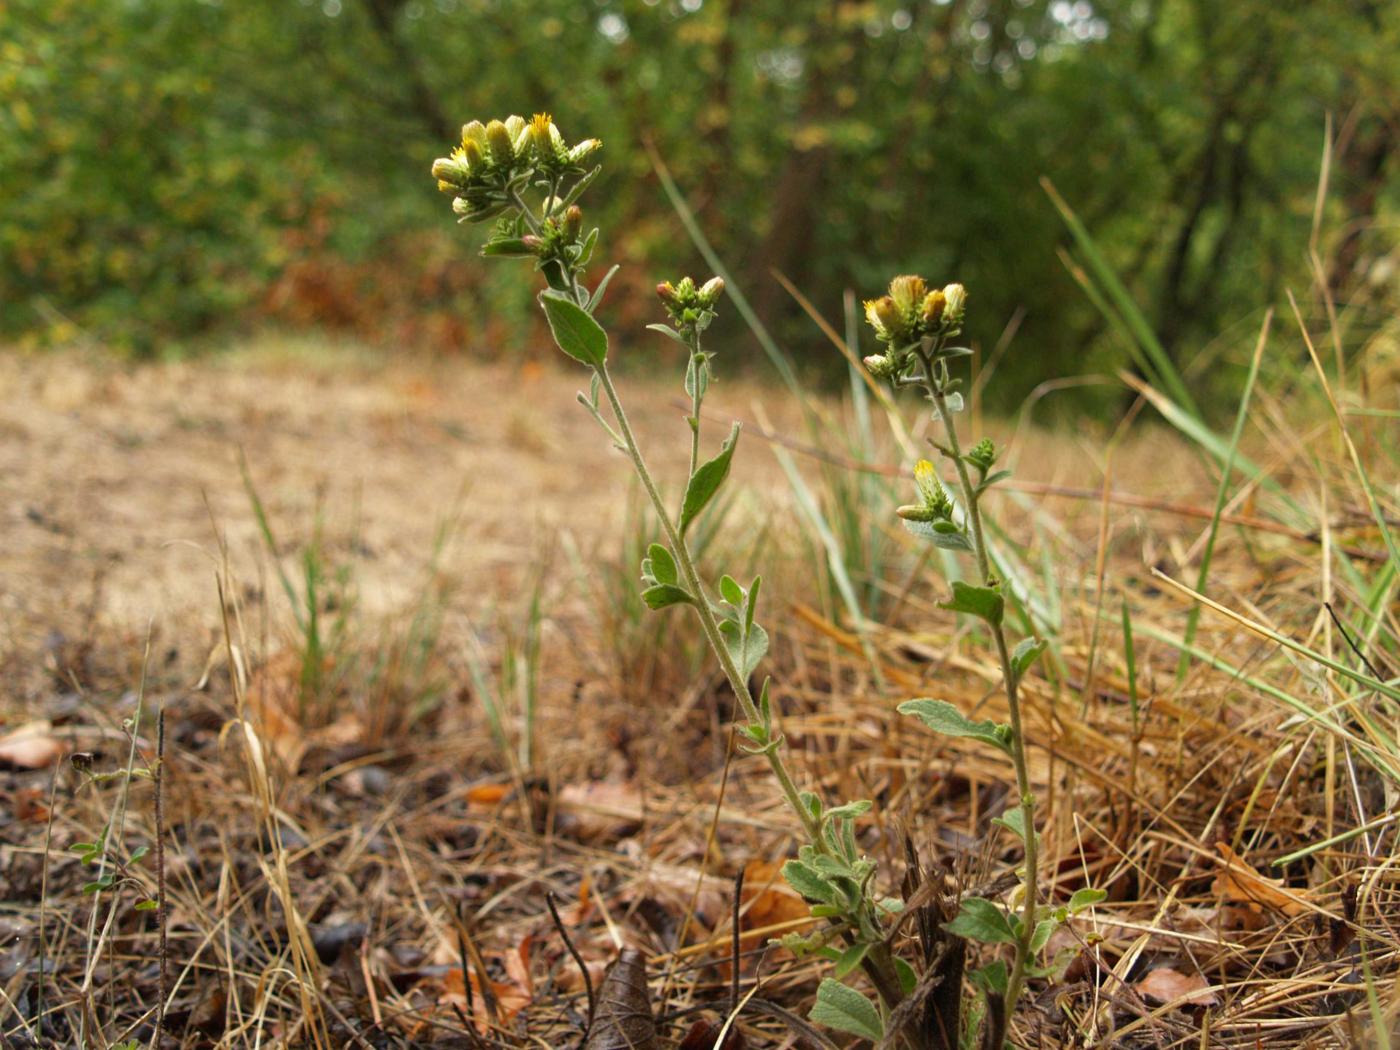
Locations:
(1165, 985)
(768, 901)
(487, 794)
(624, 1020)
(1240, 882)
(31, 746)
(601, 808)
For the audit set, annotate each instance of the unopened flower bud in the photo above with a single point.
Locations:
(460, 206)
(911, 512)
(573, 222)
(474, 154)
(934, 305)
(956, 295)
(474, 132)
(711, 290)
(982, 455)
(532, 242)
(880, 366)
(583, 150)
(884, 316)
(685, 289)
(666, 292)
(499, 138)
(907, 292)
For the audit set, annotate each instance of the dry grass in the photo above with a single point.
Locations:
(333, 871)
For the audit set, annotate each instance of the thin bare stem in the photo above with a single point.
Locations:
(971, 499)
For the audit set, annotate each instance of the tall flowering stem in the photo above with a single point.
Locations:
(917, 326)
(491, 176)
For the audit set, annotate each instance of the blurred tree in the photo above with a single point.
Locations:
(169, 167)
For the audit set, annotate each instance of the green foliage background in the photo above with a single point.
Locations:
(172, 169)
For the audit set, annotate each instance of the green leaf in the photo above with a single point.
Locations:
(660, 565)
(846, 1010)
(575, 330)
(850, 959)
(992, 479)
(669, 333)
(981, 920)
(1085, 898)
(1043, 929)
(849, 811)
(664, 595)
(138, 853)
(991, 978)
(706, 480)
(598, 292)
(986, 603)
(808, 882)
(908, 979)
(942, 717)
(506, 247)
(1027, 651)
(1014, 820)
(147, 905)
(746, 650)
(940, 538)
(730, 591)
(585, 250)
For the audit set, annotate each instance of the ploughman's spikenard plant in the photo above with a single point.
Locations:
(528, 180)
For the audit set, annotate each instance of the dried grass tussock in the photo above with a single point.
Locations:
(431, 777)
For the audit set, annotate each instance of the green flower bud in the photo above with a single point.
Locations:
(474, 154)
(982, 455)
(519, 131)
(474, 132)
(880, 366)
(710, 291)
(583, 150)
(685, 290)
(501, 143)
(956, 295)
(910, 512)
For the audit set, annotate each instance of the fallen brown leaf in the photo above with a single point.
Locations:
(1165, 985)
(31, 746)
(1240, 882)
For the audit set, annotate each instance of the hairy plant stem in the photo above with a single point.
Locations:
(879, 963)
(1018, 739)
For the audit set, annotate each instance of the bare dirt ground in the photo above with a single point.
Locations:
(329, 869)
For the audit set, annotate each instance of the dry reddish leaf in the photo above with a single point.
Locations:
(1165, 985)
(31, 746)
(768, 900)
(1240, 882)
(32, 806)
(602, 808)
(487, 794)
(510, 998)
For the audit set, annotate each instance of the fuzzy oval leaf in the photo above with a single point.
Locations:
(948, 541)
(850, 959)
(980, 920)
(1040, 937)
(707, 479)
(942, 717)
(1088, 896)
(808, 883)
(663, 565)
(665, 594)
(575, 331)
(1028, 650)
(846, 1010)
(985, 603)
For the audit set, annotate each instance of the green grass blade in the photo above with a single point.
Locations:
(1222, 492)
